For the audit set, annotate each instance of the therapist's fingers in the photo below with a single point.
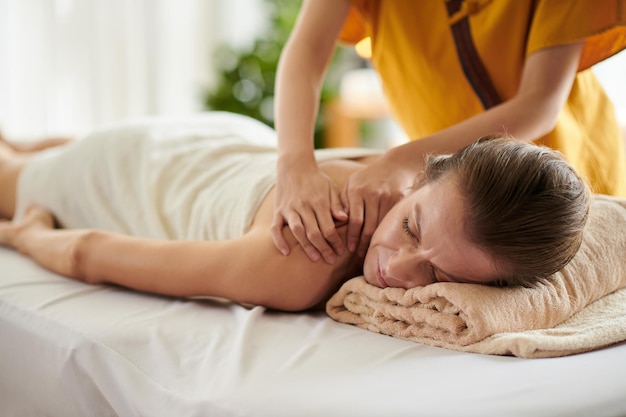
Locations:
(356, 213)
(276, 230)
(315, 233)
(337, 207)
(370, 222)
(297, 227)
(298, 223)
(339, 214)
(322, 234)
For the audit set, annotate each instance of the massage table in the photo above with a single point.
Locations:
(71, 349)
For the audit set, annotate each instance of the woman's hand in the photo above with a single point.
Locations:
(308, 201)
(369, 194)
(13, 234)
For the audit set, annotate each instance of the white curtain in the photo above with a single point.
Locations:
(68, 66)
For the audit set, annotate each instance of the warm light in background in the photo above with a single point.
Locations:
(364, 48)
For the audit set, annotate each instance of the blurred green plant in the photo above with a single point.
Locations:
(245, 78)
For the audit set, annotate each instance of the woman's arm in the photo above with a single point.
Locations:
(245, 270)
(307, 200)
(547, 79)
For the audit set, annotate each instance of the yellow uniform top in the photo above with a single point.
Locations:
(431, 82)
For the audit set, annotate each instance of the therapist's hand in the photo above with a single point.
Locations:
(369, 194)
(309, 202)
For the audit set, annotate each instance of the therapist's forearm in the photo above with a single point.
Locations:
(301, 71)
(523, 118)
(297, 104)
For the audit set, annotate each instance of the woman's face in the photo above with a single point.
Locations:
(422, 240)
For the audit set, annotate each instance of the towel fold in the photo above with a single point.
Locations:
(580, 308)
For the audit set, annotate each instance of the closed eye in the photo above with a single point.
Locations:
(407, 229)
(431, 269)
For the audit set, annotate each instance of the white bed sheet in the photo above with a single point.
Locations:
(70, 349)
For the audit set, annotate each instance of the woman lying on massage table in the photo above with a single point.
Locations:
(184, 208)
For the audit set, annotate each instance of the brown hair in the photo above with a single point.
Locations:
(525, 204)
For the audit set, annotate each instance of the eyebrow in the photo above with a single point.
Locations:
(417, 216)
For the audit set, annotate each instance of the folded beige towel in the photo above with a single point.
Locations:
(577, 310)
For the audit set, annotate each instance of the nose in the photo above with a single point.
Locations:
(408, 268)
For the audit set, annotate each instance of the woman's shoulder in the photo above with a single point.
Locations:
(355, 154)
